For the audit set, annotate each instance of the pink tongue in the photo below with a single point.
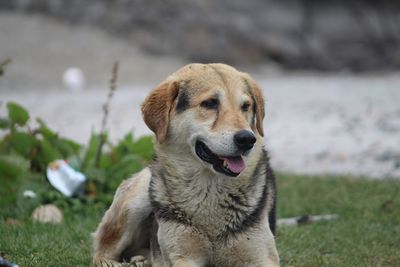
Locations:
(235, 164)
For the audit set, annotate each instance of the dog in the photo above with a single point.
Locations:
(208, 198)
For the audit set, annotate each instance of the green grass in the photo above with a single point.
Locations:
(35, 244)
(367, 232)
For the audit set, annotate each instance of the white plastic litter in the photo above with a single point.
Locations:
(29, 194)
(6, 263)
(64, 178)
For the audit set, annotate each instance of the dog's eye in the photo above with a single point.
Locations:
(245, 107)
(211, 103)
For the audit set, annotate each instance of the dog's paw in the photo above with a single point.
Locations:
(139, 261)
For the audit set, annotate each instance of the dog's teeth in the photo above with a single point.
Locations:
(225, 164)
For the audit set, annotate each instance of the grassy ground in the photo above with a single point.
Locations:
(367, 232)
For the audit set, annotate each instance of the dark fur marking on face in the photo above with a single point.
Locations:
(183, 102)
(216, 120)
(183, 97)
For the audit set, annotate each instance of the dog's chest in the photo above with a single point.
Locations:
(214, 206)
(217, 211)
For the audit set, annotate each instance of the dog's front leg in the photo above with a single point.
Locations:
(182, 245)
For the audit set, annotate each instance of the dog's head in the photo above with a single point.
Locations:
(211, 110)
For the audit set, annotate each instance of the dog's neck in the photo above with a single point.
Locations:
(198, 192)
(178, 161)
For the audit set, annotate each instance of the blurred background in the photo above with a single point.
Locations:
(329, 69)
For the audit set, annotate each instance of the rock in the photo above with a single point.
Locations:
(47, 214)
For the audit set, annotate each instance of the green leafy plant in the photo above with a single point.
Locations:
(27, 148)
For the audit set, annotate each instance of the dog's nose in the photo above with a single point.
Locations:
(244, 140)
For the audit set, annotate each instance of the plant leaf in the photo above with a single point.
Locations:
(65, 146)
(46, 131)
(47, 153)
(17, 114)
(23, 143)
(127, 166)
(91, 150)
(144, 147)
(96, 174)
(13, 165)
(4, 123)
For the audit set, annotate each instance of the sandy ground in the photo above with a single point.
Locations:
(315, 124)
(43, 48)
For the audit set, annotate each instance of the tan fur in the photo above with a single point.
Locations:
(179, 180)
(112, 230)
(156, 108)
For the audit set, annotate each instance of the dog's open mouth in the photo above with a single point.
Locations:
(229, 165)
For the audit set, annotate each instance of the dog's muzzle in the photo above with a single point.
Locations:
(231, 165)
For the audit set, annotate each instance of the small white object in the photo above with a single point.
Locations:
(74, 79)
(47, 214)
(4, 262)
(64, 178)
(29, 194)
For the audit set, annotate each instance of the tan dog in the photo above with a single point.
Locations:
(208, 197)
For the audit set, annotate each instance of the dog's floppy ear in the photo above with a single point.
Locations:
(259, 109)
(157, 106)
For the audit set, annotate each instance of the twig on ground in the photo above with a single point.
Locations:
(306, 219)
